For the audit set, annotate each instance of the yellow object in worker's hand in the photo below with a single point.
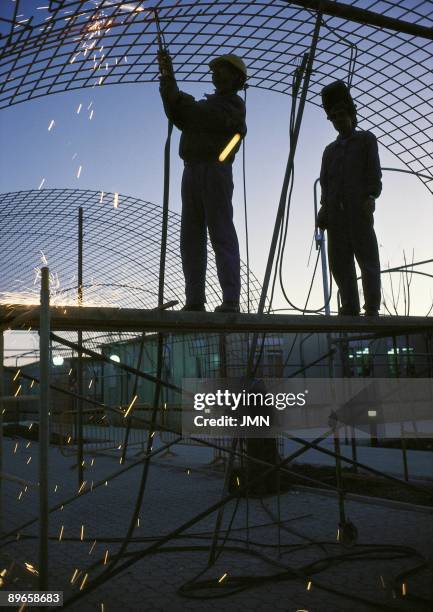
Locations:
(229, 148)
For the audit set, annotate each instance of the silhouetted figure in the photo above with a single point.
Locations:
(350, 178)
(207, 128)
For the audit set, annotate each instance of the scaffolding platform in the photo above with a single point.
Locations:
(74, 318)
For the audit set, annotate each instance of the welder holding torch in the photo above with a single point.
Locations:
(212, 130)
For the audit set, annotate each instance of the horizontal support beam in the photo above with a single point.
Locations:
(365, 17)
(73, 318)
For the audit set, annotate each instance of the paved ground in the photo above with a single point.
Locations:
(178, 488)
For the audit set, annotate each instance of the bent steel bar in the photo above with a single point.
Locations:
(360, 15)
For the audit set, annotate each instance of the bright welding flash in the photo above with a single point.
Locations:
(229, 148)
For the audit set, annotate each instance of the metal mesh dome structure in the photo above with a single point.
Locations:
(382, 48)
(121, 249)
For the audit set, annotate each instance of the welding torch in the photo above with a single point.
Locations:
(164, 59)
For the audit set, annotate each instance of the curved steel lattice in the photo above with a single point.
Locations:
(121, 252)
(77, 43)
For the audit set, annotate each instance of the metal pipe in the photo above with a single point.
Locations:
(44, 427)
(80, 454)
(359, 15)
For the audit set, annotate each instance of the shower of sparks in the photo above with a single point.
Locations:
(106, 557)
(223, 577)
(70, 372)
(93, 461)
(90, 383)
(80, 106)
(138, 522)
(106, 483)
(82, 533)
(20, 495)
(17, 374)
(28, 460)
(188, 472)
(92, 547)
(30, 568)
(74, 156)
(102, 607)
(52, 123)
(403, 589)
(309, 585)
(16, 446)
(383, 582)
(116, 200)
(238, 481)
(91, 115)
(91, 486)
(101, 198)
(32, 384)
(28, 444)
(30, 426)
(83, 484)
(61, 533)
(41, 184)
(79, 172)
(130, 406)
(90, 105)
(68, 441)
(55, 488)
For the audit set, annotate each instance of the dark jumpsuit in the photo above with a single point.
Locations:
(207, 186)
(350, 173)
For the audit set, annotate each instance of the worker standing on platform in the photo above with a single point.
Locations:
(350, 178)
(211, 132)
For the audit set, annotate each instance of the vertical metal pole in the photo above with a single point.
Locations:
(286, 182)
(2, 392)
(80, 355)
(44, 427)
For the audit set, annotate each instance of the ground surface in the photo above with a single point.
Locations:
(179, 487)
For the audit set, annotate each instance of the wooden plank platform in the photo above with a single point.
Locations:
(74, 318)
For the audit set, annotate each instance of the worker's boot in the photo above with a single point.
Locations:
(228, 306)
(194, 308)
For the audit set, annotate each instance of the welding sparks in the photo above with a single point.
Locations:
(130, 406)
(92, 547)
(80, 106)
(17, 374)
(20, 495)
(16, 446)
(61, 533)
(41, 184)
(28, 460)
(55, 488)
(52, 123)
(83, 484)
(101, 197)
(17, 391)
(403, 589)
(116, 200)
(138, 522)
(30, 568)
(79, 172)
(82, 533)
(28, 444)
(74, 575)
(91, 115)
(90, 383)
(106, 557)
(309, 585)
(70, 372)
(223, 577)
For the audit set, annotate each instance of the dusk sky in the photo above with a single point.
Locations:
(120, 149)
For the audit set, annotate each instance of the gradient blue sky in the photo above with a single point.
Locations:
(121, 150)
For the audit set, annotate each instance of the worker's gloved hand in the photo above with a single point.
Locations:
(165, 64)
(322, 218)
(369, 205)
